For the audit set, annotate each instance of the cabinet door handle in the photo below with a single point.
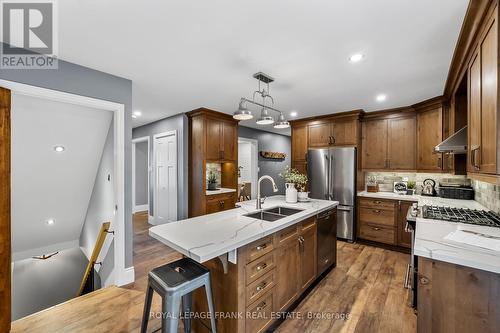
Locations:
(333, 139)
(439, 163)
(376, 211)
(376, 229)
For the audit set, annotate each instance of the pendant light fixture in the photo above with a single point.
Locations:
(242, 113)
(265, 118)
(281, 123)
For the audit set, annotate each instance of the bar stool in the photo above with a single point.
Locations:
(175, 282)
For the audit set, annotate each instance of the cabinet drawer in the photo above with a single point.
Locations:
(258, 315)
(308, 224)
(286, 234)
(377, 233)
(260, 286)
(377, 204)
(259, 267)
(258, 248)
(377, 216)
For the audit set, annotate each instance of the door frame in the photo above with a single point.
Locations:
(155, 196)
(255, 163)
(123, 275)
(136, 208)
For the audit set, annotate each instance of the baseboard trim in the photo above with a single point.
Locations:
(140, 208)
(127, 276)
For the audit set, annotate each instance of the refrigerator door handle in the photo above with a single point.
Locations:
(330, 178)
(327, 178)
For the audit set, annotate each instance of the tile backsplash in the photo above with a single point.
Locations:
(386, 179)
(487, 195)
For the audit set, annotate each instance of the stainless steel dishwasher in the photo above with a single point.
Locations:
(327, 239)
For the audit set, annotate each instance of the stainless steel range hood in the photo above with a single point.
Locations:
(455, 144)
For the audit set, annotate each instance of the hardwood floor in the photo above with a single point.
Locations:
(366, 285)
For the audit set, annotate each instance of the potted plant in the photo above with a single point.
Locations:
(295, 184)
(212, 181)
(411, 188)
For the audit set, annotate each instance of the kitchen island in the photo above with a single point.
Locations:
(258, 268)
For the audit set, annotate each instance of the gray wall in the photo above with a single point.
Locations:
(268, 141)
(39, 284)
(79, 80)
(180, 124)
(100, 210)
(141, 173)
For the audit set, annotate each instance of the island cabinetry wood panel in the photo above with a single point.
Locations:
(270, 275)
(213, 138)
(454, 298)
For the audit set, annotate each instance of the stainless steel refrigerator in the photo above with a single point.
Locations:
(332, 176)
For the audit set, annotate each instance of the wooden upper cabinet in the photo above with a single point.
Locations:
(214, 132)
(429, 134)
(401, 143)
(374, 144)
(299, 143)
(221, 140)
(320, 135)
(474, 128)
(345, 132)
(487, 160)
(229, 141)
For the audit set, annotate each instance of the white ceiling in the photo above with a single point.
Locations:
(46, 184)
(185, 54)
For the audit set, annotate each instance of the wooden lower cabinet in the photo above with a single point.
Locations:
(271, 273)
(219, 202)
(453, 298)
(383, 221)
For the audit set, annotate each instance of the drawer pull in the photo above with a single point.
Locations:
(261, 286)
(375, 228)
(261, 306)
(376, 211)
(377, 202)
(261, 247)
(261, 267)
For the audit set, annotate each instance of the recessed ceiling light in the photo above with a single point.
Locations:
(356, 57)
(381, 98)
(134, 116)
(137, 113)
(50, 221)
(293, 114)
(59, 149)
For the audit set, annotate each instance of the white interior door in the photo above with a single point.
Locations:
(165, 203)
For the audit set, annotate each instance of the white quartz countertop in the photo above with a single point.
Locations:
(430, 234)
(220, 191)
(206, 237)
(430, 243)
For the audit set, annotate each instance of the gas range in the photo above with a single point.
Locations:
(461, 215)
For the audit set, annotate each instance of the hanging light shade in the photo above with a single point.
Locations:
(281, 123)
(265, 118)
(242, 113)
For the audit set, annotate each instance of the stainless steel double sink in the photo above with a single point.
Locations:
(273, 214)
